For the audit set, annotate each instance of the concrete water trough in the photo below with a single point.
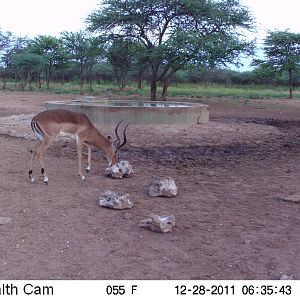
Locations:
(136, 112)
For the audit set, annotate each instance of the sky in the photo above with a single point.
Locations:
(38, 17)
(34, 17)
(274, 15)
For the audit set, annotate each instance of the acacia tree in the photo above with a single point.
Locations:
(172, 31)
(282, 51)
(16, 45)
(83, 49)
(95, 51)
(27, 65)
(77, 44)
(51, 49)
(5, 39)
(121, 54)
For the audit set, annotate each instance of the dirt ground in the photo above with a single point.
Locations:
(231, 222)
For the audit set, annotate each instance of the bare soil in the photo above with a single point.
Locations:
(230, 220)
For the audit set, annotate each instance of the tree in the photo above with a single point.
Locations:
(282, 52)
(14, 46)
(83, 49)
(263, 73)
(175, 32)
(5, 39)
(95, 51)
(76, 43)
(50, 48)
(26, 66)
(121, 55)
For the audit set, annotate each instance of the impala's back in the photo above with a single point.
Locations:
(53, 122)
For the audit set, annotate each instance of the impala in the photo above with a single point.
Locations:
(47, 125)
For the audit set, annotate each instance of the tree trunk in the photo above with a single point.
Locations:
(165, 89)
(154, 79)
(154, 83)
(140, 80)
(290, 84)
(47, 72)
(81, 78)
(4, 79)
(39, 83)
(153, 89)
(63, 76)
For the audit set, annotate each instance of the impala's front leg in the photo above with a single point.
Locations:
(88, 167)
(79, 152)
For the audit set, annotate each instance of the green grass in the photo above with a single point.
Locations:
(196, 91)
(236, 92)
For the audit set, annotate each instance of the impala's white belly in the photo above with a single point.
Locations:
(68, 135)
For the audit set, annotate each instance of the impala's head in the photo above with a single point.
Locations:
(112, 154)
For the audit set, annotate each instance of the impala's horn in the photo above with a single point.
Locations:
(117, 142)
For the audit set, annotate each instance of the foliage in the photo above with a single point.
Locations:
(14, 45)
(176, 32)
(25, 65)
(282, 51)
(83, 49)
(121, 55)
(190, 51)
(50, 48)
(5, 39)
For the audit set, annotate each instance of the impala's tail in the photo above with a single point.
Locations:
(40, 137)
(37, 130)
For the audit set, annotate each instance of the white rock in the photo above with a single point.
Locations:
(159, 223)
(292, 198)
(247, 242)
(113, 200)
(5, 220)
(286, 277)
(163, 186)
(119, 170)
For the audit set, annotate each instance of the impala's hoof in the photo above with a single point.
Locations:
(87, 169)
(46, 180)
(32, 179)
(82, 177)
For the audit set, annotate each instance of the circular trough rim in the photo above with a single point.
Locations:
(105, 103)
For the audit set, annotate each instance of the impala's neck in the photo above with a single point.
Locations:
(98, 140)
(105, 144)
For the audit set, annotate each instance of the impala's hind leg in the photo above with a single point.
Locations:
(32, 160)
(40, 150)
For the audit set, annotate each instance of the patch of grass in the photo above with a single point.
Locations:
(175, 90)
(236, 92)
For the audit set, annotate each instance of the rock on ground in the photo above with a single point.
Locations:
(163, 186)
(4, 220)
(113, 200)
(119, 170)
(159, 223)
(286, 277)
(292, 198)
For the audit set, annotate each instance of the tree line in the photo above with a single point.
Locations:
(154, 40)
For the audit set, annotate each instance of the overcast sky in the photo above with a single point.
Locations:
(33, 17)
